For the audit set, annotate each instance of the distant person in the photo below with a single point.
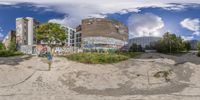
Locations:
(49, 56)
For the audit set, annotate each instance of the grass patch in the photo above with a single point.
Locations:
(130, 54)
(6, 53)
(100, 58)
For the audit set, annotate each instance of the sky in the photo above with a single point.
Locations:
(142, 17)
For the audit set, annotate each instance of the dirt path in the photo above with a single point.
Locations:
(129, 80)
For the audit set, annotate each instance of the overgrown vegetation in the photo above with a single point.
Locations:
(198, 47)
(135, 48)
(170, 43)
(101, 58)
(2, 47)
(198, 54)
(12, 47)
(7, 53)
(10, 51)
(52, 34)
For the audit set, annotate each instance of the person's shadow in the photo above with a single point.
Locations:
(14, 60)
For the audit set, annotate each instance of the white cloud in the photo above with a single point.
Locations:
(1, 34)
(146, 24)
(79, 9)
(192, 25)
(70, 21)
(1, 30)
(67, 21)
(186, 38)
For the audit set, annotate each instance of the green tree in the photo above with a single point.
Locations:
(187, 45)
(135, 48)
(170, 43)
(2, 47)
(198, 46)
(50, 33)
(12, 46)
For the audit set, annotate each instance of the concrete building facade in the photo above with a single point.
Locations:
(143, 41)
(193, 44)
(25, 30)
(100, 33)
(78, 39)
(70, 33)
(73, 37)
(21, 31)
(26, 34)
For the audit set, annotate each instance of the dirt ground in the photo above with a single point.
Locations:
(29, 78)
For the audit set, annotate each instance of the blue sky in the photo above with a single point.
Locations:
(142, 20)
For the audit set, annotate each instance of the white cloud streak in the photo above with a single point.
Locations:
(192, 25)
(76, 10)
(146, 24)
(1, 34)
(187, 38)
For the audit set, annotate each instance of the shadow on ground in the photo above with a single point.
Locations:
(178, 58)
(14, 60)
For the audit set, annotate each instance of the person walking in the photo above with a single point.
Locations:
(50, 58)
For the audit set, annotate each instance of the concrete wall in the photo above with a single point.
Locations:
(28, 49)
(21, 31)
(95, 27)
(102, 43)
(25, 30)
(30, 30)
(143, 41)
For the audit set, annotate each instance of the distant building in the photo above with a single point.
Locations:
(143, 41)
(25, 31)
(78, 39)
(11, 37)
(193, 44)
(70, 33)
(100, 33)
(26, 34)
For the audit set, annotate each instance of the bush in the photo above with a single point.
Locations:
(170, 43)
(198, 46)
(135, 48)
(98, 58)
(130, 54)
(6, 53)
(198, 54)
(2, 47)
(12, 46)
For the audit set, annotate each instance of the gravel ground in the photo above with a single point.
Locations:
(29, 78)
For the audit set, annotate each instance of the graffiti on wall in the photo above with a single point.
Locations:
(103, 42)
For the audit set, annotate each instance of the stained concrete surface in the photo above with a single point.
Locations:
(133, 79)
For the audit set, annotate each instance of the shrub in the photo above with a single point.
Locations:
(198, 54)
(2, 47)
(130, 54)
(170, 43)
(198, 46)
(12, 46)
(135, 48)
(98, 58)
(7, 53)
